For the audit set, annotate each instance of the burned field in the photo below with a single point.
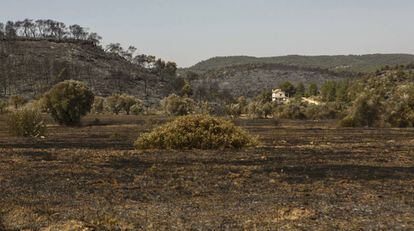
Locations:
(305, 175)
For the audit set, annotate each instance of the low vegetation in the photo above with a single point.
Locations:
(26, 123)
(196, 132)
(178, 105)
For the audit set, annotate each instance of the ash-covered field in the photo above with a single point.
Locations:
(306, 175)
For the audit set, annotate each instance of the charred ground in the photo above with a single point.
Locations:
(306, 175)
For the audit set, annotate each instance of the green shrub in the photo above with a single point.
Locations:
(176, 105)
(196, 132)
(114, 103)
(27, 123)
(98, 105)
(234, 110)
(366, 111)
(293, 110)
(238, 108)
(257, 109)
(68, 101)
(127, 101)
(324, 111)
(117, 103)
(3, 106)
(137, 109)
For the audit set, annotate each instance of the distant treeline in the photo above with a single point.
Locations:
(46, 29)
(270, 66)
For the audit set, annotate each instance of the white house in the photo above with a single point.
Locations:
(279, 96)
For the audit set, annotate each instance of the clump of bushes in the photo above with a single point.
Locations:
(68, 101)
(196, 132)
(26, 123)
(258, 109)
(294, 110)
(366, 111)
(117, 103)
(177, 105)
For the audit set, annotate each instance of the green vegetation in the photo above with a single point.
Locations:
(312, 89)
(26, 123)
(196, 132)
(355, 63)
(177, 105)
(3, 106)
(137, 108)
(122, 102)
(98, 105)
(68, 101)
(386, 100)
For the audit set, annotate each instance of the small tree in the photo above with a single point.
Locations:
(98, 105)
(288, 88)
(17, 101)
(126, 102)
(114, 103)
(68, 101)
(186, 91)
(300, 90)
(328, 91)
(176, 105)
(312, 89)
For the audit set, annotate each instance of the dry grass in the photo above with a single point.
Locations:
(308, 175)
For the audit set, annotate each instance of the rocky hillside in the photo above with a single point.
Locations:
(30, 67)
(356, 63)
(251, 79)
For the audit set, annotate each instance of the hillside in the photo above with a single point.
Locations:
(251, 79)
(356, 63)
(30, 67)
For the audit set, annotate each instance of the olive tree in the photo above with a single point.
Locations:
(68, 101)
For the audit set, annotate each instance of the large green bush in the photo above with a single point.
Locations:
(196, 132)
(365, 112)
(26, 122)
(68, 101)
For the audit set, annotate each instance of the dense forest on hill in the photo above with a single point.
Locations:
(355, 63)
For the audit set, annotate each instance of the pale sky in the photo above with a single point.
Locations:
(188, 31)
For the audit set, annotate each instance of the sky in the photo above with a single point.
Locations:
(188, 31)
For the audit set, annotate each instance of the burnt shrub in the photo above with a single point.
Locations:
(196, 132)
(68, 101)
(26, 123)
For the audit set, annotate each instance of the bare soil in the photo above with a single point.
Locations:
(306, 175)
